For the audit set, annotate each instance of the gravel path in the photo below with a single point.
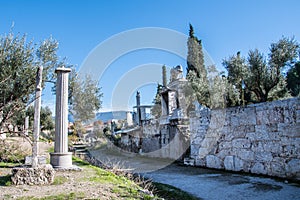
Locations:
(213, 184)
(206, 184)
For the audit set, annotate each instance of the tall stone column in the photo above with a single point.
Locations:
(61, 158)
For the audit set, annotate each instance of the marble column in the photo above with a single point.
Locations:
(61, 158)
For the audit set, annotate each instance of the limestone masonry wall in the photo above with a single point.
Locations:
(260, 138)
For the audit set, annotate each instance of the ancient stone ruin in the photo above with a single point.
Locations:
(61, 158)
(260, 138)
(41, 175)
(167, 137)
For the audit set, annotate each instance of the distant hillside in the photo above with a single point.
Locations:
(107, 116)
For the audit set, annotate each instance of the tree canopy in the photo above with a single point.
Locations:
(19, 61)
(86, 98)
(260, 79)
(293, 79)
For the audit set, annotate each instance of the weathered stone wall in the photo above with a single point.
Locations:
(156, 140)
(260, 138)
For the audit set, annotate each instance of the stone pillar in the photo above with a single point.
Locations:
(138, 108)
(37, 114)
(61, 158)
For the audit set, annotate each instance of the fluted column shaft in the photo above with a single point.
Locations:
(61, 112)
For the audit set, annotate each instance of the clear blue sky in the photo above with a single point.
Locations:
(225, 27)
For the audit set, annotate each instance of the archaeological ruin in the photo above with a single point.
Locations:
(259, 138)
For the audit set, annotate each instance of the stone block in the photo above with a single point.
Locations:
(41, 160)
(194, 150)
(209, 142)
(238, 164)
(262, 117)
(200, 162)
(289, 130)
(293, 166)
(251, 136)
(276, 115)
(225, 145)
(272, 146)
(289, 151)
(229, 136)
(189, 161)
(263, 156)
(217, 119)
(277, 169)
(203, 152)
(42, 175)
(226, 152)
(213, 162)
(242, 116)
(298, 116)
(290, 115)
(261, 132)
(197, 140)
(247, 117)
(245, 155)
(229, 163)
(241, 143)
(258, 168)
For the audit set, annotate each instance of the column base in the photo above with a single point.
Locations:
(61, 160)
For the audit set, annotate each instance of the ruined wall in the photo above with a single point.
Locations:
(130, 141)
(261, 138)
(156, 140)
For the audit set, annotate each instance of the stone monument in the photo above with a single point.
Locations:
(61, 158)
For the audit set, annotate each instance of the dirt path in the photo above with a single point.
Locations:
(204, 183)
(69, 182)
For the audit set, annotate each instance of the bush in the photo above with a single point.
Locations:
(11, 153)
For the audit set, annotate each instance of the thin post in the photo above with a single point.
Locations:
(37, 111)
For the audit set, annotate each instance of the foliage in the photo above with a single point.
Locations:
(11, 153)
(19, 61)
(221, 93)
(78, 131)
(258, 79)
(195, 58)
(156, 109)
(5, 180)
(86, 99)
(198, 88)
(293, 79)
(46, 120)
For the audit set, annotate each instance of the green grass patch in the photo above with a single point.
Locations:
(128, 189)
(70, 196)
(121, 186)
(80, 163)
(5, 180)
(51, 150)
(169, 192)
(58, 180)
(8, 164)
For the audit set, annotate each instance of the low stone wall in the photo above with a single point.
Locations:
(260, 138)
(155, 140)
(42, 175)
